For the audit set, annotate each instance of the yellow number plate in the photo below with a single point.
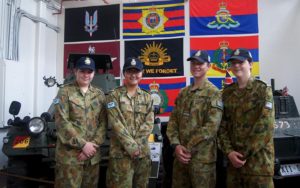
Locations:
(21, 142)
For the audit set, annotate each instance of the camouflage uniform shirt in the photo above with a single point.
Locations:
(80, 118)
(247, 126)
(132, 121)
(195, 120)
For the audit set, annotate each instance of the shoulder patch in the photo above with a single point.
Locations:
(217, 104)
(269, 105)
(111, 105)
(220, 104)
(56, 101)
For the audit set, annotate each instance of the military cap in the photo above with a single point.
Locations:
(240, 54)
(85, 63)
(200, 56)
(133, 63)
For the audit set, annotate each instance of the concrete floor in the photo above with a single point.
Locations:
(2, 181)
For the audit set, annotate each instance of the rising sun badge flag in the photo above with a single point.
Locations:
(153, 19)
(161, 58)
(218, 17)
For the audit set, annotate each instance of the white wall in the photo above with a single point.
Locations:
(23, 80)
(279, 50)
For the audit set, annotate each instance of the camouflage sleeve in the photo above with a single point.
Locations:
(223, 140)
(65, 130)
(263, 128)
(211, 123)
(173, 124)
(146, 128)
(118, 124)
(99, 136)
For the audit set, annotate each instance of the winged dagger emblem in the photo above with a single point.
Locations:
(91, 22)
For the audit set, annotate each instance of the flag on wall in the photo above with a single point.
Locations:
(111, 48)
(92, 23)
(164, 92)
(220, 48)
(153, 19)
(161, 58)
(218, 17)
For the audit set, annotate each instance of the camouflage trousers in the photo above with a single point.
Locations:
(127, 173)
(76, 176)
(237, 180)
(195, 175)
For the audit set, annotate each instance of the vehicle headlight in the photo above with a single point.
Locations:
(50, 82)
(36, 125)
(5, 140)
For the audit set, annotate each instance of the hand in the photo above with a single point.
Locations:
(236, 159)
(182, 154)
(135, 154)
(82, 157)
(89, 149)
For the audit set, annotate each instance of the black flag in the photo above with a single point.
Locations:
(161, 58)
(92, 23)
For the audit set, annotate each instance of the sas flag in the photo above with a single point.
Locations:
(92, 23)
(161, 58)
(164, 92)
(153, 19)
(218, 17)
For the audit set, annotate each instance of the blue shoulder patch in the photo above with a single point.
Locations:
(111, 105)
(56, 101)
(269, 105)
(220, 104)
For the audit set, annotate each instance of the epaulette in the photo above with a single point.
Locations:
(229, 85)
(262, 82)
(100, 91)
(116, 88)
(145, 90)
(66, 84)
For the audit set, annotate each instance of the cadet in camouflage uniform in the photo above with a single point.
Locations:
(81, 122)
(130, 113)
(193, 126)
(246, 132)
